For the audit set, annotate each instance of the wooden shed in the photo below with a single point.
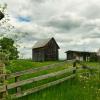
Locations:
(98, 54)
(45, 50)
(80, 55)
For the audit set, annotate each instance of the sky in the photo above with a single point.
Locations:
(75, 24)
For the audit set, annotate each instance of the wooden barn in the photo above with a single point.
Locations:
(45, 50)
(80, 55)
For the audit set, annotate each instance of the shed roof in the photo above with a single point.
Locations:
(80, 51)
(42, 43)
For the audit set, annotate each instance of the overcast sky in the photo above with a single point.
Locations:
(75, 24)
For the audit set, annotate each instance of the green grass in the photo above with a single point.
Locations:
(81, 88)
(70, 90)
(37, 64)
(19, 65)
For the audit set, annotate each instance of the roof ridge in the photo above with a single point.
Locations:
(41, 43)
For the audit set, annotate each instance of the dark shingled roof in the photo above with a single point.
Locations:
(41, 43)
(79, 51)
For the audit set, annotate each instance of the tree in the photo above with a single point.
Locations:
(7, 46)
(1, 15)
(5, 25)
(2, 11)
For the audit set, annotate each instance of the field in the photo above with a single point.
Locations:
(80, 88)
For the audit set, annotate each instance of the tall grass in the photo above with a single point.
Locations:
(77, 89)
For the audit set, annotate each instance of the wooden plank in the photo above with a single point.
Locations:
(2, 75)
(17, 79)
(3, 99)
(2, 88)
(33, 90)
(31, 80)
(30, 71)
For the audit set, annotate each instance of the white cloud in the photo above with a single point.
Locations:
(75, 24)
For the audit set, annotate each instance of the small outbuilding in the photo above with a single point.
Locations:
(80, 55)
(98, 54)
(45, 50)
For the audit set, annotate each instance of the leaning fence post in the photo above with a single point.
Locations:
(18, 89)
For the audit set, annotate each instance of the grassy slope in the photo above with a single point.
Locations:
(79, 89)
(19, 65)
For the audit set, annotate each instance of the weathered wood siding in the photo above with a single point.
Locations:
(83, 56)
(51, 51)
(38, 54)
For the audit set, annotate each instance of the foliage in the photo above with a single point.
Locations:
(5, 24)
(4, 58)
(7, 46)
(2, 11)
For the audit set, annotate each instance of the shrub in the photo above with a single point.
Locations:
(4, 58)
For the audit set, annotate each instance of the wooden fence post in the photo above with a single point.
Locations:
(3, 80)
(74, 66)
(5, 94)
(18, 89)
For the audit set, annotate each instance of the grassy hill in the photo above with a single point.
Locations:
(19, 65)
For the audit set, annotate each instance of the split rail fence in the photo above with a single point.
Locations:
(18, 83)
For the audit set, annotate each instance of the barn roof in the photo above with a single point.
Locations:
(42, 43)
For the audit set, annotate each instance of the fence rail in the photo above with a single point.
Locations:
(34, 70)
(36, 89)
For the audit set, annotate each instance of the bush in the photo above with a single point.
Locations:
(4, 58)
(8, 47)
